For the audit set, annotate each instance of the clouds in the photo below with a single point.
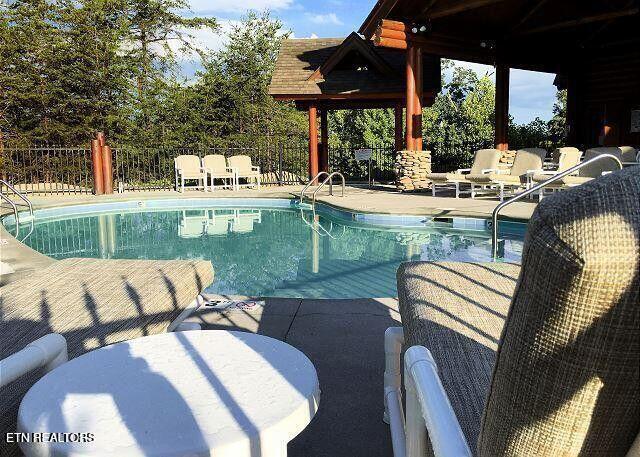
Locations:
(211, 7)
(329, 18)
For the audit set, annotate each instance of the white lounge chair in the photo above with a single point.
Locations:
(244, 169)
(564, 158)
(215, 165)
(527, 161)
(188, 167)
(243, 221)
(483, 159)
(218, 222)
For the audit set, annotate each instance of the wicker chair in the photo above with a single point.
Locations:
(547, 365)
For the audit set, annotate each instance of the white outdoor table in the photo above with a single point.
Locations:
(190, 393)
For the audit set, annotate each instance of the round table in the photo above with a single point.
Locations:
(192, 393)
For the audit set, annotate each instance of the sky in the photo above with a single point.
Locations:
(532, 94)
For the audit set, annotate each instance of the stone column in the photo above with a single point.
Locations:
(412, 168)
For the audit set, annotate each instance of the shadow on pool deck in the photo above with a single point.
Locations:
(344, 340)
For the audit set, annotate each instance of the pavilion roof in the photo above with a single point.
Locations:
(330, 68)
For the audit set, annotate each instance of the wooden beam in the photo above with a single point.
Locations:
(394, 25)
(410, 97)
(581, 21)
(417, 104)
(502, 107)
(528, 13)
(313, 140)
(380, 10)
(427, 7)
(390, 43)
(461, 7)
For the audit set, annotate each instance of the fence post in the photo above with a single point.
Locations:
(107, 169)
(280, 154)
(96, 163)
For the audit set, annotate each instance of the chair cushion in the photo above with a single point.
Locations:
(445, 177)
(457, 310)
(485, 159)
(566, 380)
(490, 178)
(567, 180)
(482, 178)
(92, 303)
(527, 159)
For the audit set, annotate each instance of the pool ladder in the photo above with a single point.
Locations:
(14, 204)
(328, 179)
(537, 187)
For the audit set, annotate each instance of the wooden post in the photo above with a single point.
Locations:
(417, 104)
(313, 140)
(502, 107)
(101, 138)
(410, 97)
(324, 139)
(399, 141)
(96, 164)
(107, 169)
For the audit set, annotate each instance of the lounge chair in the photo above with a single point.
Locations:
(544, 362)
(483, 159)
(91, 303)
(585, 174)
(215, 165)
(526, 161)
(188, 167)
(243, 169)
(563, 159)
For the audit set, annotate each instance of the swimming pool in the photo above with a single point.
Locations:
(266, 247)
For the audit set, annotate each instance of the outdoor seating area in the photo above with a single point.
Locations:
(214, 167)
(471, 289)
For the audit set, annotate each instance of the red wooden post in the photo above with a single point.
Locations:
(96, 163)
(101, 138)
(107, 169)
(502, 107)
(399, 141)
(313, 140)
(324, 139)
(410, 96)
(417, 104)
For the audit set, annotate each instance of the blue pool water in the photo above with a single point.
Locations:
(277, 250)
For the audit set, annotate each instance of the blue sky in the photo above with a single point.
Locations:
(531, 94)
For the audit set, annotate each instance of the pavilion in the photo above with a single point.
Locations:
(591, 46)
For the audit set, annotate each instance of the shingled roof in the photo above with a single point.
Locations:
(324, 67)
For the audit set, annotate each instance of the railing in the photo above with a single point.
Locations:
(14, 205)
(322, 184)
(311, 182)
(537, 187)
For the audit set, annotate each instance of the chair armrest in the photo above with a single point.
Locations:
(463, 170)
(492, 170)
(230, 169)
(256, 168)
(49, 351)
(445, 434)
(534, 171)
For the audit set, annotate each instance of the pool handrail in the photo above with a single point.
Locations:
(322, 184)
(13, 204)
(310, 183)
(531, 190)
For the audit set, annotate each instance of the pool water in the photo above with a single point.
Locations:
(282, 252)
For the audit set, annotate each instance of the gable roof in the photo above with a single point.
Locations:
(309, 68)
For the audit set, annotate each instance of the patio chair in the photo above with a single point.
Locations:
(243, 169)
(90, 303)
(188, 167)
(563, 159)
(483, 159)
(544, 362)
(526, 161)
(215, 165)
(585, 174)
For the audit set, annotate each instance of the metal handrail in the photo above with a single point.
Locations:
(328, 178)
(14, 205)
(521, 195)
(314, 179)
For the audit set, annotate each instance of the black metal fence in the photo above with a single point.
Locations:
(68, 170)
(51, 170)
